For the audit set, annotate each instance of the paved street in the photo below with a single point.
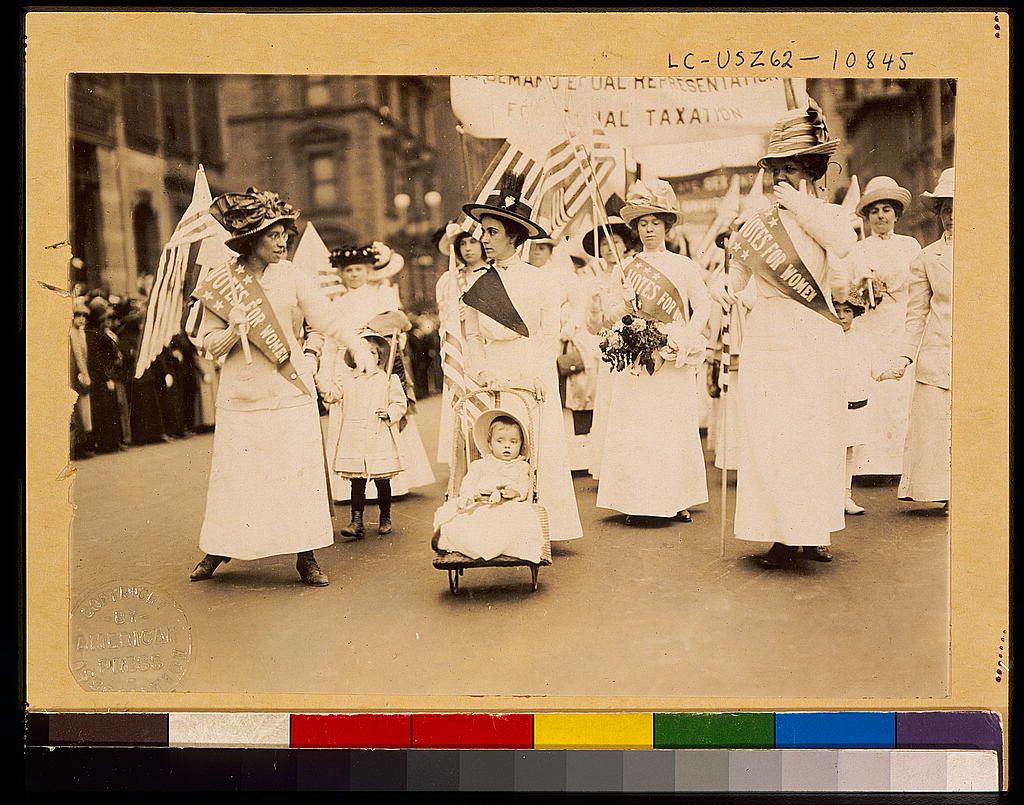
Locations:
(624, 611)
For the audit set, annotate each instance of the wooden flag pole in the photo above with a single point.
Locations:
(723, 384)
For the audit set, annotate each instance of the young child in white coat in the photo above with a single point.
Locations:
(859, 373)
(492, 515)
(371, 405)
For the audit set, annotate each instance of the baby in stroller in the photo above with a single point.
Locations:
(492, 514)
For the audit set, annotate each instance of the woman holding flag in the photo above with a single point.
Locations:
(468, 254)
(652, 463)
(268, 492)
(791, 478)
(512, 328)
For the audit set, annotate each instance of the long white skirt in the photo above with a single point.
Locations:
(599, 428)
(792, 460)
(726, 424)
(881, 452)
(653, 462)
(268, 485)
(927, 460)
(446, 427)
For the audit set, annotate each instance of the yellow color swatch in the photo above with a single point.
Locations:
(593, 730)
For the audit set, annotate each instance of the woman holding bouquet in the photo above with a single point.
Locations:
(652, 462)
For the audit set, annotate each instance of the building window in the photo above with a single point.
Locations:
(140, 112)
(323, 180)
(318, 91)
(207, 114)
(86, 211)
(147, 236)
(177, 125)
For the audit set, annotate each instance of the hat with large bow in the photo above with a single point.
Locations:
(801, 132)
(943, 189)
(506, 202)
(248, 213)
(650, 196)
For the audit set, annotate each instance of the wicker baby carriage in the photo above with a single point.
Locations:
(464, 451)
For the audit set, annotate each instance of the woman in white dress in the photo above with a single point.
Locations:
(469, 261)
(885, 256)
(652, 463)
(362, 301)
(268, 488)
(792, 462)
(514, 342)
(604, 298)
(928, 343)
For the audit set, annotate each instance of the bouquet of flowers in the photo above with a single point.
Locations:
(632, 343)
(868, 292)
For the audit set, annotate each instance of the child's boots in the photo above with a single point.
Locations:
(355, 529)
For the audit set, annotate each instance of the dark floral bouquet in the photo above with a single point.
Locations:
(633, 343)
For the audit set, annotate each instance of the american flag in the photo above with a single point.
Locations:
(571, 171)
(197, 240)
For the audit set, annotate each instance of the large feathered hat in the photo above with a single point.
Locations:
(249, 213)
(506, 202)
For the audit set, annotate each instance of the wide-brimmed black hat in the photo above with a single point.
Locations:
(506, 202)
(246, 214)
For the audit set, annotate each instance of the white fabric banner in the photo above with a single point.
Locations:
(632, 110)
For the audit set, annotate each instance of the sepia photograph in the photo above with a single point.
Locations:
(511, 385)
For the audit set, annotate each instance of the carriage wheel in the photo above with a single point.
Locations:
(534, 572)
(453, 581)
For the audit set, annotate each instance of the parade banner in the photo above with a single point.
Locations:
(764, 247)
(658, 296)
(229, 285)
(633, 110)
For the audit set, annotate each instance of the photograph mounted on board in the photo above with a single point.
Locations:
(405, 385)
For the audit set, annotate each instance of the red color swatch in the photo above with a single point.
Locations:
(357, 731)
(472, 731)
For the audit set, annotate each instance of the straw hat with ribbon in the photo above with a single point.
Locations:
(943, 190)
(882, 188)
(546, 240)
(506, 202)
(647, 197)
(801, 132)
(249, 213)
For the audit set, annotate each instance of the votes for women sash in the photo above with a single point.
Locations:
(228, 285)
(658, 296)
(765, 248)
(489, 296)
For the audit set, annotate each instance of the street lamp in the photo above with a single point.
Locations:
(433, 201)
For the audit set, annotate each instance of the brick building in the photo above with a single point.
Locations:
(348, 151)
(135, 142)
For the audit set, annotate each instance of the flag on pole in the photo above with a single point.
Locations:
(314, 258)
(197, 241)
(510, 158)
(571, 171)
